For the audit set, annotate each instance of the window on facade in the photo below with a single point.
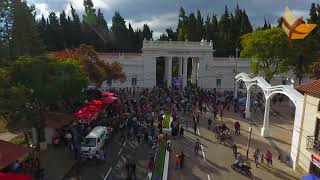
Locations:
(109, 82)
(218, 83)
(134, 81)
(284, 82)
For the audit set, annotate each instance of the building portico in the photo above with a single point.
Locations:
(199, 52)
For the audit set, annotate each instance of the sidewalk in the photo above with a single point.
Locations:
(56, 161)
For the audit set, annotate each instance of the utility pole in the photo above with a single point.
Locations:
(250, 128)
(249, 140)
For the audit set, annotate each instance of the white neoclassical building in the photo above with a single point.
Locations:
(192, 61)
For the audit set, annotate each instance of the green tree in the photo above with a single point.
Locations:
(6, 21)
(54, 33)
(199, 34)
(269, 49)
(119, 33)
(147, 33)
(76, 35)
(66, 29)
(25, 36)
(302, 54)
(313, 14)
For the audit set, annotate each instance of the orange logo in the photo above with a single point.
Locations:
(295, 28)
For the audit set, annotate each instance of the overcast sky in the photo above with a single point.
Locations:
(160, 14)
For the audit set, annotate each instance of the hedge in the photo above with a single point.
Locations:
(160, 158)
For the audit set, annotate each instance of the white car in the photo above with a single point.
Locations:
(94, 140)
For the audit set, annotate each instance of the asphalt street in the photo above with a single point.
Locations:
(117, 155)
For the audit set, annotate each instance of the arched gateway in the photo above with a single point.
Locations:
(269, 91)
(200, 52)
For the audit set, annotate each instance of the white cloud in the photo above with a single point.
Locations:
(78, 5)
(156, 23)
(42, 9)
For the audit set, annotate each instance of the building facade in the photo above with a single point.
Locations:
(309, 144)
(194, 58)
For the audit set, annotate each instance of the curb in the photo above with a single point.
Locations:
(166, 166)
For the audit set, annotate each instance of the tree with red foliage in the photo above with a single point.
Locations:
(98, 70)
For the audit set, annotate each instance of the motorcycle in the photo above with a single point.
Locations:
(225, 138)
(242, 169)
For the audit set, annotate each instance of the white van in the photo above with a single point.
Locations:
(94, 140)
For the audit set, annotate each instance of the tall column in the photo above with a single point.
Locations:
(180, 67)
(193, 77)
(168, 70)
(296, 135)
(235, 93)
(248, 104)
(185, 71)
(196, 70)
(265, 127)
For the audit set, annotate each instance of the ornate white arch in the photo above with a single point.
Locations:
(269, 91)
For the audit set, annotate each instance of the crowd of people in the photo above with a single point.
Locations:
(139, 115)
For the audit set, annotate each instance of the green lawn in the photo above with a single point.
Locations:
(158, 171)
(166, 120)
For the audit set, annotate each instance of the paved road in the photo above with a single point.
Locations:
(216, 159)
(117, 154)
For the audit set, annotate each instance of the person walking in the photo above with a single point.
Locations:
(209, 123)
(133, 169)
(235, 150)
(151, 165)
(269, 157)
(195, 126)
(182, 159)
(181, 131)
(237, 128)
(221, 112)
(261, 157)
(128, 169)
(178, 161)
(196, 147)
(256, 156)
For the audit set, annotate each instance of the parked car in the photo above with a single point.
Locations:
(94, 140)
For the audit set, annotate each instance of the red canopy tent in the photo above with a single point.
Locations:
(110, 97)
(85, 114)
(95, 102)
(107, 94)
(108, 100)
(10, 152)
(11, 176)
(91, 108)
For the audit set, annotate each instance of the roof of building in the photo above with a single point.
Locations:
(311, 87)
(10, 152)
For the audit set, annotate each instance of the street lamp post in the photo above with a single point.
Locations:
(235, 70)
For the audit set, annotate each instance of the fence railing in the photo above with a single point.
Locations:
(313, 143)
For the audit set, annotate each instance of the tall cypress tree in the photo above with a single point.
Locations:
(313, 14)
(42, 26)
(147, 33)
(182, 25)
(65, 30)
(76, 35)
(199, 34)
(132, 45)
(25, 35)
(119, 33)
(54, 33)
